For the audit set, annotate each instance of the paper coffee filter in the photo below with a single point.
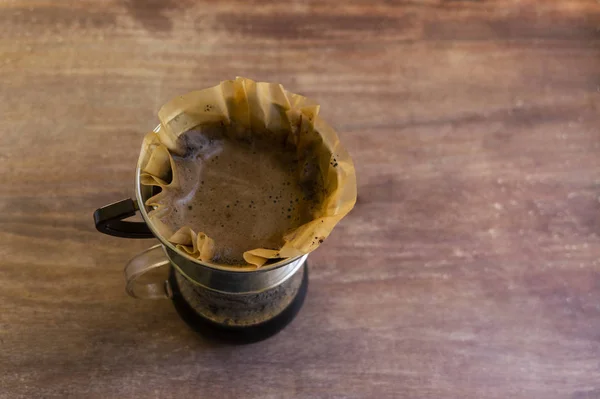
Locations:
(255, 108)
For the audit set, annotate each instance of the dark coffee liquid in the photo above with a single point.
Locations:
(243, 194)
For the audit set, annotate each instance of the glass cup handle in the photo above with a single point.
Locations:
(150, 259)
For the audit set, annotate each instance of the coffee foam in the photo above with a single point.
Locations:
(244, 194)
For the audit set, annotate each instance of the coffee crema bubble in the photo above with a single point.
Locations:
(244, 194)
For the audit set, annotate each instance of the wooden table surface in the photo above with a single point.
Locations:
(468, 269)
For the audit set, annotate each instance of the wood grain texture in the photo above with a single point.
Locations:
(469, 268)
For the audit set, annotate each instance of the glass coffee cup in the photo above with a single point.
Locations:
(221, 301)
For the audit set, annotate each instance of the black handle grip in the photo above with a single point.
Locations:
(109, 220)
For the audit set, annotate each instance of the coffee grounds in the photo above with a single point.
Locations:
(244, 194)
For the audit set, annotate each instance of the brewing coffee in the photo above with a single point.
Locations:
(244, 193)
(245, 174)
